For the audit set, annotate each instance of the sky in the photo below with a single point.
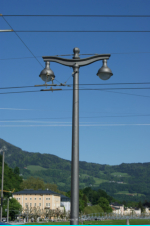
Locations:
(114, 124)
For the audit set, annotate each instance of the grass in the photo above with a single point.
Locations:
(99, 181)
(117, 174)
(61, 184)
(34, 168)
(93, 209)
(107, 222)
(127, 193)
(122, 193)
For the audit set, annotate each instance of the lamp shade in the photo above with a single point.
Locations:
(104, 72)
(47, 74)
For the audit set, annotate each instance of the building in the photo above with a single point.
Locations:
(65, 202)
(45, 199)
(132, 211)
(117, 208)
(38, 198)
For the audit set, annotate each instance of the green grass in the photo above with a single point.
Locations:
(61, 184)
(122, 174)
(34, 168)
(122, 193)
(107, 222)
(93, 209)
(84, 175)
(127, 193)
(99, 181)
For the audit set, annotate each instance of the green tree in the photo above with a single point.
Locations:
(33, 183)
(103, 202)
(16, 170)
(140, 206)
(14, 208)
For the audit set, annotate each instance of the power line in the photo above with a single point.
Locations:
(97, 84)
(22, 92)
(113, 88)
(48, 15)
(102, 116)
(22, 58)
(81, 31)
(23, 42)
(17, 87)
(130, 94)
(105, 89)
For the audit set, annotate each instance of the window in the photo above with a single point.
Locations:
(19, 198)
(48, 204)
(39, 198)
(26, 205)
(34, 198)
(30, 198)
(25, 198)
(39, 204)
(30, 204)
(47, 198)
(35, 204)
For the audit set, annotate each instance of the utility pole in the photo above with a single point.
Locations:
(2, 187)
(7, 210)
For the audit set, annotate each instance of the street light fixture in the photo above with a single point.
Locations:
(104, 72)
(47, 75)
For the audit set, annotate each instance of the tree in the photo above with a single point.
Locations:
(32, 183)
(16, 170)
(103, 202)
(37, 183)
(14, 208)
(140, 206)
(82, 199)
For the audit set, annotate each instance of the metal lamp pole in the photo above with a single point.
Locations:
(48, 75)
(8, 209)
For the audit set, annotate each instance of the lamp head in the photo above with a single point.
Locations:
(104, 72)
(47, 74)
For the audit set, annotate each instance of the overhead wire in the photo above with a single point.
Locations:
(74, 15)
(105, 89)
(83, 31)
(22, 41)
(19, 58)
(87, 84)
(101, 116)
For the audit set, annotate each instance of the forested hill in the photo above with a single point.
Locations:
(125, 181)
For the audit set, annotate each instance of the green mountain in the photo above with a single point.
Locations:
(123, 182)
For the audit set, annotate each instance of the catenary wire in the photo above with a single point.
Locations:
(82, 31)
(102, 116)
(22, 58)
(23, 42)
(62, 90)
(48, 15)
(123, 83)
(105, 89)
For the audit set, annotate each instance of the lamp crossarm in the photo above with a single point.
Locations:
(80, 62)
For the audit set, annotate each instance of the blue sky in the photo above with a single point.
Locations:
(115, 124)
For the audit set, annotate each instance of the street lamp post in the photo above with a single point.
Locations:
(8, 209)
(47, 75)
